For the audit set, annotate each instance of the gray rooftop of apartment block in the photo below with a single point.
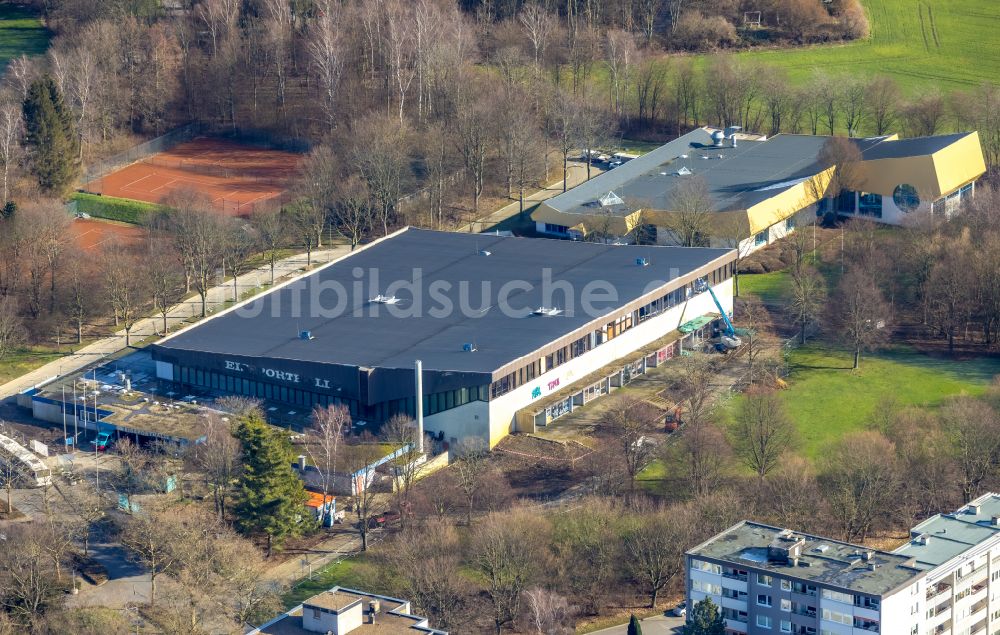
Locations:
(821, 561)
(944, 536)
(736, 177)
(463, 270)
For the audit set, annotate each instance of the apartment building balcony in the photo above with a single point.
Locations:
(734, 604)
(940, 629)
(868, 627)
(732, 574)
(940, 608)
(807, 611)
(979, 606)
(737, 625)
(938, 589)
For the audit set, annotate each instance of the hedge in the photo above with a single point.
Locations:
(111, 208)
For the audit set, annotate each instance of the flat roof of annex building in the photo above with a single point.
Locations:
(942, 537)
(368, 335)
(823, 561)
(737, 178)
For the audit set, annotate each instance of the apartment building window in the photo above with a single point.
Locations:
(764, 580)
(837, 616)
(763, 621)
(786, 626)
(786, 585)
(786, 605)
(760, 239)
(846, 598)
(706, 587)
(708, 567)
(763, 600)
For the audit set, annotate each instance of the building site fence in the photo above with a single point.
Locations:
(135, 153)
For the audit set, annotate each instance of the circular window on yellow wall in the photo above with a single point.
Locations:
(906, 198)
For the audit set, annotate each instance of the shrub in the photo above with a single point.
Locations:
(854, 21)
(750, 266)
(697, 32)
(111, 208)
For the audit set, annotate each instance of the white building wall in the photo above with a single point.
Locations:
(471, 420)
(903, 610)
(503, 409)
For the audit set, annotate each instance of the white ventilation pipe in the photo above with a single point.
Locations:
(418, 378)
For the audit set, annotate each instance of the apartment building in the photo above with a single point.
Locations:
(944, 581)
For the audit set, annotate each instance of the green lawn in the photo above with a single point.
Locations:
(21, 31)
(951, 44)
(351, 573)
(772, 288)
(27, 359)
(827, 400)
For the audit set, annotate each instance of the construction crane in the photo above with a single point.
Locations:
(728, 338)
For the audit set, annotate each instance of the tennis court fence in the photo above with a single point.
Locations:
(136, 153)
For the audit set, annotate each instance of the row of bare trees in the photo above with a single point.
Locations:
(51, 287)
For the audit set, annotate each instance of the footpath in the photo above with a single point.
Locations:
(576, 174)
(218, 297)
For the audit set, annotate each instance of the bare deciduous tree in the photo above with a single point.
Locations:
(808, 300)
(690, 217)
(654, 547)
(973, 429)
(12, 331)
(860, 313)
(630, 421)
(860, 481)
(762, 432)
(507, 549)
(327, 434)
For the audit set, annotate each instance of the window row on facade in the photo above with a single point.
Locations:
(433, 403)
(608, 332)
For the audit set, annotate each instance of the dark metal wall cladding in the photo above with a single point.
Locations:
(368, 386)
(385, 384)
(344, 381)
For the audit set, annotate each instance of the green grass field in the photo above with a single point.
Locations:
(21, 31)
(827, 400)
(950, 44)
(351, 573)
(771, 288)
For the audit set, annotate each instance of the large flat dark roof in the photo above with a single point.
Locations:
(442, 265)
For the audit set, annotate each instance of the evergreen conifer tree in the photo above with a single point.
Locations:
(51, 137)
(634, 627)
(271, 496)
(705, 619)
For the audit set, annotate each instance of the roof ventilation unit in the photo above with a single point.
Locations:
(642, 262)
(384, 299)
(719, 138)
(684, 171)
(547, 312)
(483, 252)
(731, 133)
(305, 335)
(469, 348)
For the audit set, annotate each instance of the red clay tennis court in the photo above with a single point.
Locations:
(90, 234)
(236, 177)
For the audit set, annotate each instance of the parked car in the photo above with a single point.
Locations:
(680, 610)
